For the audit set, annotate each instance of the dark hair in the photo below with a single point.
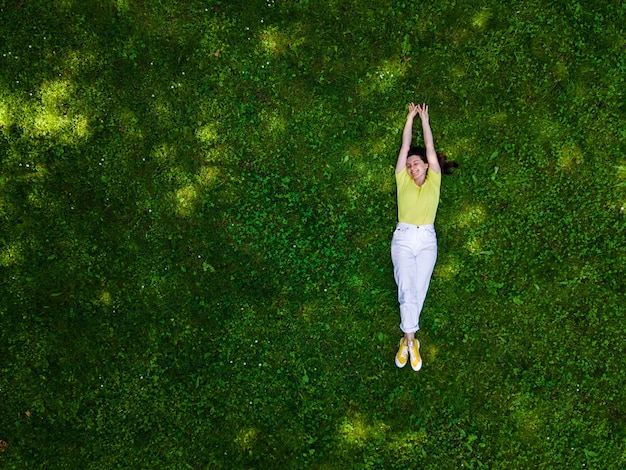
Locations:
(446, 166)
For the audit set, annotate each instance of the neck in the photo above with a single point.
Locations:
(420, 181)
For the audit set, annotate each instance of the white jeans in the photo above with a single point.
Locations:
(414, 253)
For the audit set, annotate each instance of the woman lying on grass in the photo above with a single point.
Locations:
(414, 243)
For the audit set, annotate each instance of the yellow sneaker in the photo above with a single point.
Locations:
(414, 352)
(402, 355)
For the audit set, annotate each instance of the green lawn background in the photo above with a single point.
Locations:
(196, 207)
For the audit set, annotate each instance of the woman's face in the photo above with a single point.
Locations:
(416, 167)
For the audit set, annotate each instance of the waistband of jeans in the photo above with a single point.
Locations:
(415, 227)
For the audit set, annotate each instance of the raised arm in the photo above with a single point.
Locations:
(407, 135)
(431, 155)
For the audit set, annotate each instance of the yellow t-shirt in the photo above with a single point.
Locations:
(418, 205)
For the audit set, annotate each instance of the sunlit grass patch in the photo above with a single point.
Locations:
(246, 437)
(275, 41)
(448, 268)
(274, 122)
(185, 200)
(546, 128)
(122, 6)
(499, 118)
(429, 350)
(55, 93)
(401, 442)
(527, 416)
(50, 122)
(569, 156)
(67, 5)
(382, 78)
(207, 176)
(480, 20)
(208, 133)
(53, 116)
(79, 59)
(471, 216)
(5, 116)
(161, 108)
(355, 430)
(459, 146)
(11, 254)
(165, 152)
(39, 199)
(67, 129)
(105, 298)
(458, 71)
(474, 245)
(560, 70)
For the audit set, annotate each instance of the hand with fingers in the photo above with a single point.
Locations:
(422, 110)
(413, 110)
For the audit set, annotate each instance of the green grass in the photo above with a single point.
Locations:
(196, 207)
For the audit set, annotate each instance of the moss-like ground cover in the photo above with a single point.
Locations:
(196, 207)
